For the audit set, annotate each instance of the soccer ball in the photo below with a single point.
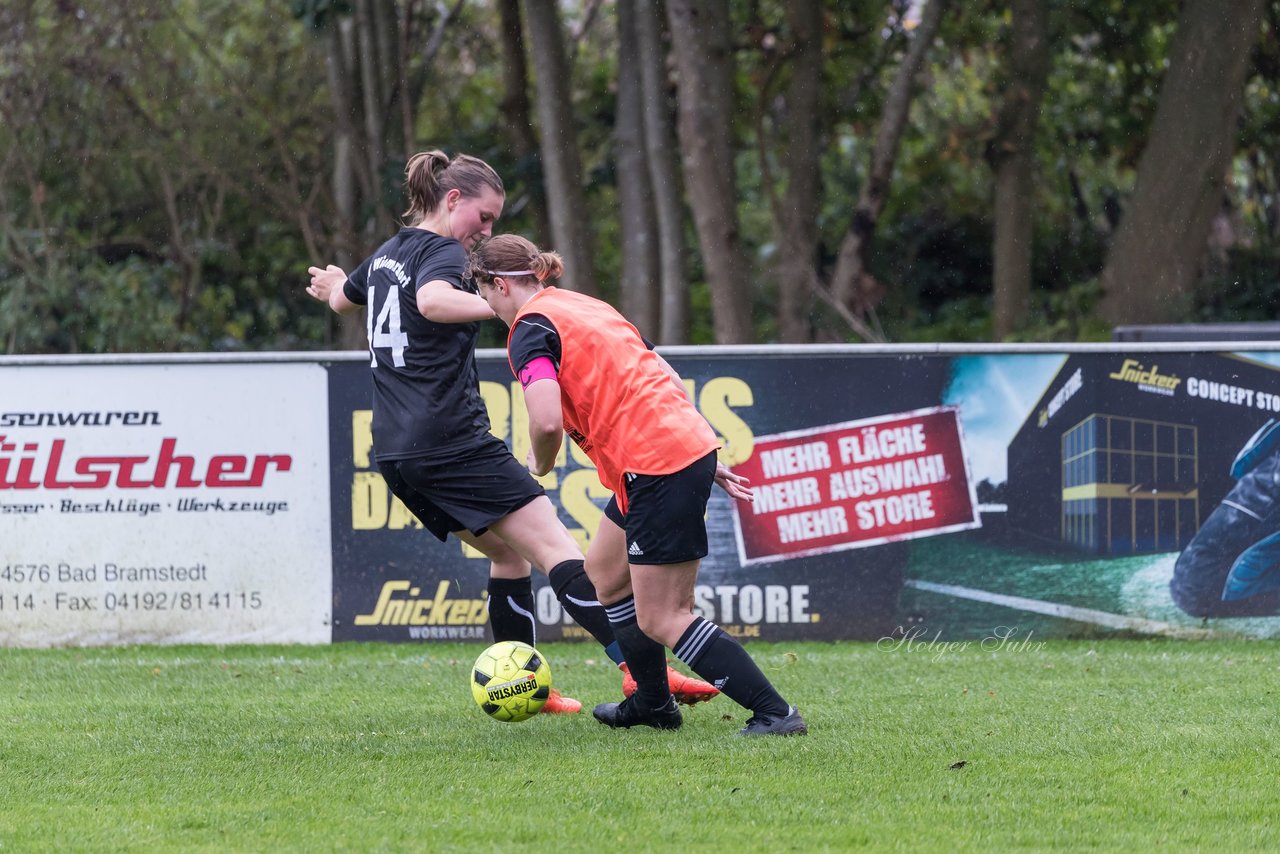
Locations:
(511, 681)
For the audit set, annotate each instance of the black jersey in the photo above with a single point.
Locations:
(426, 394)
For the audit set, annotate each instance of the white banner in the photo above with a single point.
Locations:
(164, 503)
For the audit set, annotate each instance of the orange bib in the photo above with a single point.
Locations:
(620, 406)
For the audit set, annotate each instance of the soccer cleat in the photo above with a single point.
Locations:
(630, 713)
(790, 724)
(686, 689)
(558, 704)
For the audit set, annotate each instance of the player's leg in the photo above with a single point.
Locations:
(511, 613)
(667, 546)
(510, 588)
(484, 489)
(645, 667)
(424, 489)
(664, 603)
(536, 532)
(609, 567)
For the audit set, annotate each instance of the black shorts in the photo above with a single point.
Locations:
(666, 514)
(471, 491)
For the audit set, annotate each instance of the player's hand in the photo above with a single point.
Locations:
(736, 485)
(537, 469)
(324, 281)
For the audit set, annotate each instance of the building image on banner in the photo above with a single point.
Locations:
(1130, 454)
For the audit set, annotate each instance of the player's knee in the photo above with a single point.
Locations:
(658, 626)
(506, 561)
(610, 588)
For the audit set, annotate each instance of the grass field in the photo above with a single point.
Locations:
(1098, 744)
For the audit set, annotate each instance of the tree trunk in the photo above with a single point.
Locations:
(375, 82)
(664, 177)
(701, 33)
(346, 172)
(1152, 267)
(561, 161)
(797, 220)
(639, 280)
(375, 148)
(852, 289)
(518, 118)
(1012, 156)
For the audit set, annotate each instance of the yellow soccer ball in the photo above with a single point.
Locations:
(511, 681)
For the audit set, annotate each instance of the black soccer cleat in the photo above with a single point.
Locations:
(630, 713)
(789, 724)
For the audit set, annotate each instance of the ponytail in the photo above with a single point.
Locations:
(547, 265)
(510, 256)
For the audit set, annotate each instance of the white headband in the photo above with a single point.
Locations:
(510, 272)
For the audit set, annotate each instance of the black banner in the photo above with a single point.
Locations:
(1072, 493)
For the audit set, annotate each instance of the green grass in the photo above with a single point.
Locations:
(1079, 744)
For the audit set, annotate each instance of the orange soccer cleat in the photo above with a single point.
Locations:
(687, 689)
(558, 704)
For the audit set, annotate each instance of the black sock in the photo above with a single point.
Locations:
(646, 658)
(511, 610)
(714, 655)
(577, 595)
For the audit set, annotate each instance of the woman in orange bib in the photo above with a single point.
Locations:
(588, 372)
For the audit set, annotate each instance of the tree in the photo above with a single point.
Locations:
(638, 277)
(516, 110)
(700, 33)
(561, 159)
(375, 81)
(852, 292)
(1011, 154)
(1152, 266)
(795, 215)
(664, 176)
(131, 218)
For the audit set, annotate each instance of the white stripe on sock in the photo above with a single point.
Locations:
(692, 648)
(532, 622)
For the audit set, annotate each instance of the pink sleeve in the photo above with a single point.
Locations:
(541, 368)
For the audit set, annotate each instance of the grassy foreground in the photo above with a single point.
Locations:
(913, 746)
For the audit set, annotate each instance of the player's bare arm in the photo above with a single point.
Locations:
(441, 302)
(546, 424)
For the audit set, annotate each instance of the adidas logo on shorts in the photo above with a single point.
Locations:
(635, 550)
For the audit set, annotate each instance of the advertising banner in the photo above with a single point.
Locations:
(856, 484)
(394, 581)
(173, 503)
(1010, 493)
(949, 493)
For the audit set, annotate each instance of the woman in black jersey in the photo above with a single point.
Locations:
(431, 434)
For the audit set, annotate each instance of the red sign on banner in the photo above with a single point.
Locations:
(856, 484)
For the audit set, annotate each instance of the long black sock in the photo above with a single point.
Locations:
(646, 658)
(511, 610)
(714, 655)
(577, 595)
